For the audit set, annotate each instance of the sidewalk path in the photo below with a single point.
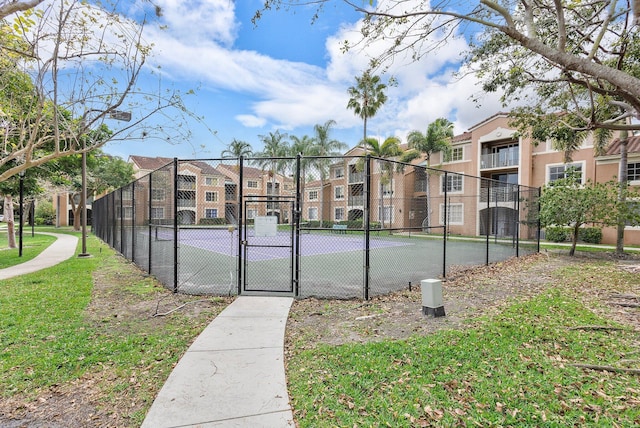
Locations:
(63, 248)
(233, 374)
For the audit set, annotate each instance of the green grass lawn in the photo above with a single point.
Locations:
(47, 337)
(512, 369)
(31, 247)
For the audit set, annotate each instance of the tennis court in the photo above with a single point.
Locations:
(192, 224)
(330, 264)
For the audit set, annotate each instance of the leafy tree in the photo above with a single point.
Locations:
(389, 148)
(276, 148)
(436, 139)
(366, 98)
(324, 146)
(61, 78)
(237, 148)
(570, 44)
(566, 202)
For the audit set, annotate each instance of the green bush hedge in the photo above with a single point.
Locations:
(213, 221)
(591, 235)
(556, 233)
(45, 213)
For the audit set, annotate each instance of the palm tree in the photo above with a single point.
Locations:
(304, 146)
(275, 146)
(237, 148)
(389, 148)
(325, 146)
(366, 98)
(436, 139)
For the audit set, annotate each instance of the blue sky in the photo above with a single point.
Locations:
(287, 74)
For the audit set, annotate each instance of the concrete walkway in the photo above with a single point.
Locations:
(233, 374)
(62, 249)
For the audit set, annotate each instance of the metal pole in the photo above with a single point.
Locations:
(83, 200)
(175, 225)
(242, 228)
(133, 222)
(149, 220)
(296, 225)
(446, 225)
(487, 223)
(538, 233)
(367, 224)
(21, 212)
(517, 221)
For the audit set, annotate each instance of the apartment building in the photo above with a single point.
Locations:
(404, 197)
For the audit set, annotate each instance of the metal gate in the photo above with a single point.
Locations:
(269, 245)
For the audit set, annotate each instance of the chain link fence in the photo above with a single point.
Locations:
(329, 227)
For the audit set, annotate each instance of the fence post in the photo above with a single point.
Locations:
(133, 221)
(488, 222)
(175, 225)
(539, 224)
(122, 243)
(242, 230)
(149, 219)
(446, 227)
(367, 223)
(296, 228)
(517, 220)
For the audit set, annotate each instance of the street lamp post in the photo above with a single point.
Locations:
(113, 114)
(21, 173)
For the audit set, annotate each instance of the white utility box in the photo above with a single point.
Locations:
(432, 298)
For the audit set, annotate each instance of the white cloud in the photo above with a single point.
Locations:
(290, 95)
(251, 121)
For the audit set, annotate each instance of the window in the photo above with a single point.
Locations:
(557, 172)
(211, 181)
(338, 214)
(211, 196)
(452, 184)
(157, 194)
(157, 212)
(384, 213)
(634, 210)
(251, 213)
(128, 212)
(455, 155)
(252, 183)
(252, 197)
(313, 195)
(387, 190)
(338, 173)
(211, 213)
(633, 171)
(454, 213)
(313, 213)
(127, 194)
(338, 192)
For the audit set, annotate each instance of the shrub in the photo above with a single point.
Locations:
(213, 221)
(591, 235)
(556, 234)
(45, 213)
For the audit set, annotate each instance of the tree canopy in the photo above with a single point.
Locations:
(61, 79)
(578, 57)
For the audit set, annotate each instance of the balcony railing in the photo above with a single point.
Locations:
(186, 203)
(500, 160)
(356, 177)
(186, 185)
(499, 194)
(356, 200)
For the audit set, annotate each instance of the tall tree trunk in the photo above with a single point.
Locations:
(77, 212)
(622, 193)
(10, 219)
(574, 239)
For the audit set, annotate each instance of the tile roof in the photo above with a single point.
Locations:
(148, 163)
(633, 146)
